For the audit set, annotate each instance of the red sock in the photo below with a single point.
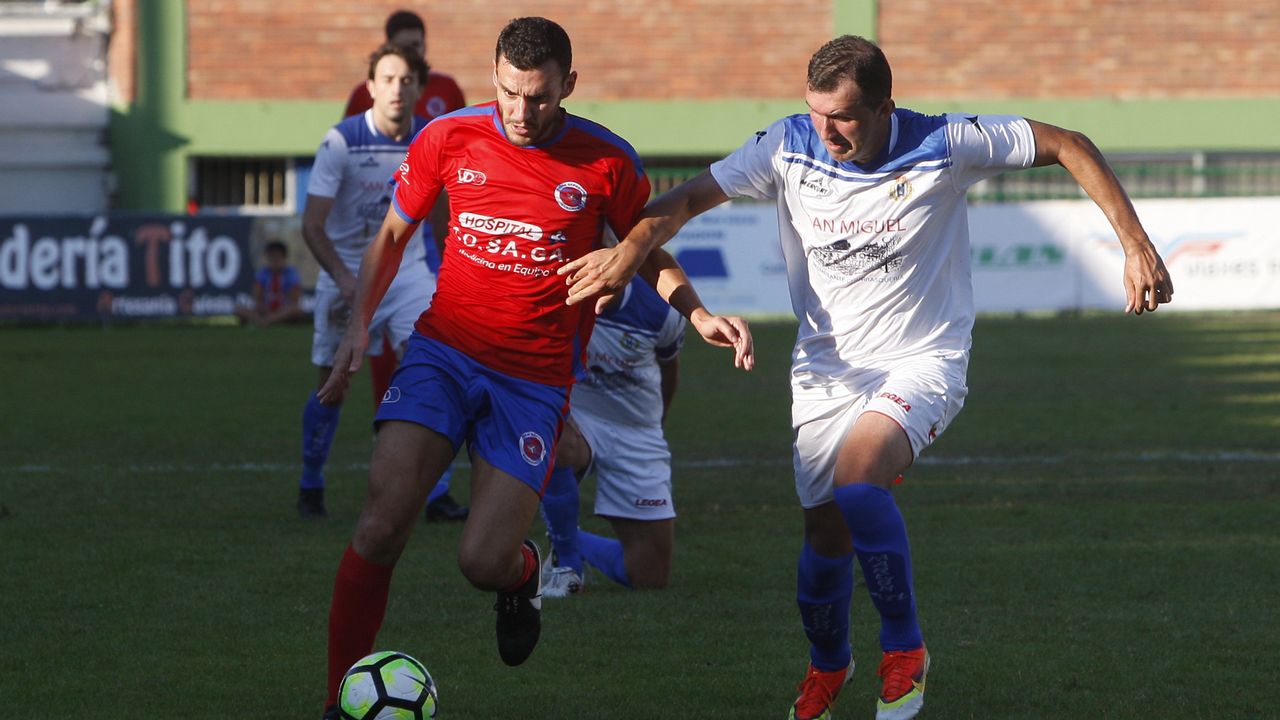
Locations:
(530, 567)
(359, 604)
(381, 368)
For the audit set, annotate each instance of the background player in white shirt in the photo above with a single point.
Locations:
(440, 95)
(615, 428)
(873, 225)
(347, 198)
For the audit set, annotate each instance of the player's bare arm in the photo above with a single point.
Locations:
(608, 270)
(1146, 280)
(313, 219)
(378, 268)
(664, 273)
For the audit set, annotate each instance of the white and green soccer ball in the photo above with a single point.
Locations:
(387, 685)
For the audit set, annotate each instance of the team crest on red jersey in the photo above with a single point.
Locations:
(532, 448)
(571, 196)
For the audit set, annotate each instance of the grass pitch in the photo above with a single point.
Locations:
(1097, 535)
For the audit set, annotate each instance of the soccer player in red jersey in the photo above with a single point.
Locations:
(493, 359)
(440, 94)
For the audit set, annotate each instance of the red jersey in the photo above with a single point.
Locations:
(441, 95)
(516, 215)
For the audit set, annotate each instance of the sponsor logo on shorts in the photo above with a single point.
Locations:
(532, 448)
(467, 176)
(499, 226)
(902, 403)
(392, 395)
(651, 502)
(571, 196)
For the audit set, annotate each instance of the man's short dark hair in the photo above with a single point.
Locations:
(412, 59)
(857, 59)
(404, 20)
(276, 246)
(529, 42)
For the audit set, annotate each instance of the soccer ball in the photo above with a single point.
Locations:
(387, 686)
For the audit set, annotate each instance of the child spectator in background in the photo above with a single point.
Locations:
(277, 290)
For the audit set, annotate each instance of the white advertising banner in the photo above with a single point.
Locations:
(1023, 258)
(1223, 253)
(732, 255)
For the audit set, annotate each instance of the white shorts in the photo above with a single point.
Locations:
(632, 466)
(409, 295)
(922, 395)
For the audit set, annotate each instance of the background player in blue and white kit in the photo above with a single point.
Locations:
(347, 199)
(440, 95)
(615, 428)
(874, 231)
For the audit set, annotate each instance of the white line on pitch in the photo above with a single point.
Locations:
(1247, 456)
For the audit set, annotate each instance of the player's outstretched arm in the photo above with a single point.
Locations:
(377, 270)
(608, 270)
(1146, 280)
(662, 271)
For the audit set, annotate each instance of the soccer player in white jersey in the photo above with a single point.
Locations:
(347, 198)
(871, 212)
(615, 429)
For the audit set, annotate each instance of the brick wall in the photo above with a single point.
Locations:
(623, 49)
(121, 54)
(1126, 49)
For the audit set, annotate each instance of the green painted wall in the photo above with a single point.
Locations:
(148, 144)
(153, 138)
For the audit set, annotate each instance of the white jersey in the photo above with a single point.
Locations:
(877, 257)
(354, 166)
(623, 383)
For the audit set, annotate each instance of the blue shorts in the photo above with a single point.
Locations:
(513, 424)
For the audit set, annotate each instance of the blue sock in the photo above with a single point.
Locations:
(319, 423)
(442, 486)
(824, 588)
(606, 555)
(560, 511)
(880, 541)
